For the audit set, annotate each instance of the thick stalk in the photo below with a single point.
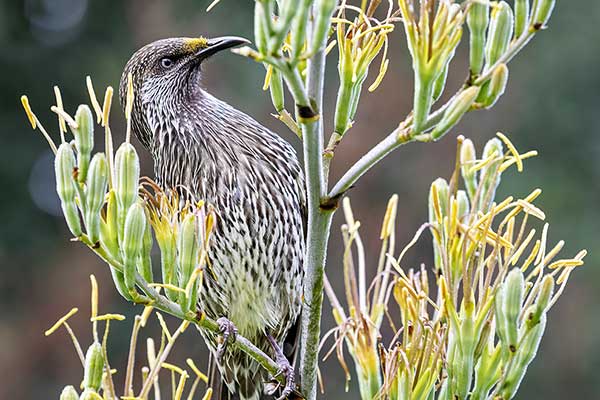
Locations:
(319, 223)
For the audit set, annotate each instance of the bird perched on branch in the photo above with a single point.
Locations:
(254, 181)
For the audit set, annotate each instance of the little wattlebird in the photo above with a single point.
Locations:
(253, 180)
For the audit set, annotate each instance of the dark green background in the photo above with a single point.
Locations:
(552, 104)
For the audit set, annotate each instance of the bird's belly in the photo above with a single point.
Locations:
(255, 277)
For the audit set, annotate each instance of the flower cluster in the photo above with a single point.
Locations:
(98, 377)
(473, 333)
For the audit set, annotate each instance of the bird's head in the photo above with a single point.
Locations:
(165, 70)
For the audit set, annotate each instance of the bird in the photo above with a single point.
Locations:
(254, 181)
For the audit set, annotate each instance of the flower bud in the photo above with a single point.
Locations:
(542, 301)
(135, 224)
(97, 182)
(69, 393)
(467, 160)
(455, 111)
(528, 347)
(126, 179)
(84, 139)
(187, 254)
(477, 20)
(542, 13)
(495, 87)
(94, 367)
(513, 301)
(145, 262)
(276, 88)
(521, 17)
(438, 208)
(499, 32)
(64, 167)
(463, 203)
(490, 174)
(260, 35)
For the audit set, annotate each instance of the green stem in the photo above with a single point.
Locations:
(319, 223)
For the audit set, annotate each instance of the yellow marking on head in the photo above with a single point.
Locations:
(195, 44)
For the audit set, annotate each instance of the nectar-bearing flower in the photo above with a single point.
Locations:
(133, 238)
(432, 39)
(187, 250)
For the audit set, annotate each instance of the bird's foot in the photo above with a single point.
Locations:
(285, 369)
(228, 333)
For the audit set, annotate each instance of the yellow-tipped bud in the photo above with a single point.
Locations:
(542, 301)
(94, 367)
(477, 20)
(64, 167)
(187, 254)
(69, 393)
(467, 160)
(96, 184)
(490, 174)
(542, 13)
(499, 32)
(495, 87)
(84, 139)
(455, 111)
(135, 225)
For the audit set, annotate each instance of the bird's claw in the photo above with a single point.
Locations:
(228, 333)
(285, 369)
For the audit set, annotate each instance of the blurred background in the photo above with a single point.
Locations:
(552, 105)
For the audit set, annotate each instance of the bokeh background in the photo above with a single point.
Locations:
(552, 104)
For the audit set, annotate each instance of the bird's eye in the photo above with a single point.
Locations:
(166, 62)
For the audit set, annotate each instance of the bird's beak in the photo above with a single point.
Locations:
(216, 45)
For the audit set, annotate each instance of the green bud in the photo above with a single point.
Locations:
(521, 16)
(135, 224)
(528, 348)
(64, 167)
(276, 88)
(513, 301)
(84, 139)
(126, 180)
(467, 160)
(499, 32)
(495, 87)
(323, 21)
(109, 240)
(69, 393)
(145, 262)
(542, 13)
(94, 367)
(89, 394)
(463, 203)
(499, 313)
(490, 174)
(168, 254)
(97, 182)
(477, 20)
(442, 190)
(542, 301)
(487, 373)
(187, 251)
(455, 111)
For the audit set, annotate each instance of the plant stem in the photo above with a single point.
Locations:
(319, 223)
